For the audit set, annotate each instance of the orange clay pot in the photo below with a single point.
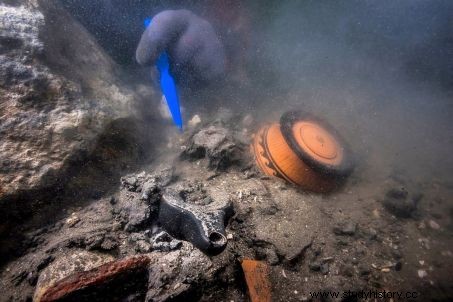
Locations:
(304, 151)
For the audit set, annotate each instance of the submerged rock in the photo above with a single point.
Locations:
(216, 145)
(400, 203)
(62, 102)
(186, 272)
(163, 242)
(345, 228)
(140, 195)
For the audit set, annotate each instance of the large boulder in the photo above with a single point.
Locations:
(61, 100)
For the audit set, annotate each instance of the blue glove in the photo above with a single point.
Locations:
(195, 51)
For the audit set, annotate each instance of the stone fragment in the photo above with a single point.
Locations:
(400, 203)
(149, 187)
(290, 238)
(434, 225)
(345, 228)
(216, 145)
(59, 93)
(129, 183)
(165, 243)
(133, 211)
(422, 273)
(72, 220)
(176, 274)
(67, 118)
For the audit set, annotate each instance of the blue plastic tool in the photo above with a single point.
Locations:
(168, 85)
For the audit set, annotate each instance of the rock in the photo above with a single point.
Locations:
(176, 274)
(290, 239)
(140, 241)
(433, 225)
(134, 211)
(345, 228)
(164, 242)
(163, 175)
(130, 183)
(422, 273)
(113, 279)
(315, 266)
(61, 268)
(43, 102)
(216, 145)
(149, 187)
(140, 195)
(425, 243)
(272, 257)
(400, 203)
(72, 220)
(62, 103)
(142, 246)
(134, 237)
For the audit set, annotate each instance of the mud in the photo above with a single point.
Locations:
(375, 233)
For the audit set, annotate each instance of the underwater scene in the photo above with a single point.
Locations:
(226, 150)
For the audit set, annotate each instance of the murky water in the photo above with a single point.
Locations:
(380, 73)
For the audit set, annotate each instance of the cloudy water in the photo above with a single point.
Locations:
(313, 164)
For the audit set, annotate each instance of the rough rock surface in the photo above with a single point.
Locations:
(140, 195)
(216, 145)
(59, 95)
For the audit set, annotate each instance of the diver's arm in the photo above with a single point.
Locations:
(166, 27)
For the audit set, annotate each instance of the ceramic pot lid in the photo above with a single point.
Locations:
(316, 143)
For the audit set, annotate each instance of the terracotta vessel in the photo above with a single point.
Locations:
(303, 150)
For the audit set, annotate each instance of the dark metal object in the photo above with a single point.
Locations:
(203, 226)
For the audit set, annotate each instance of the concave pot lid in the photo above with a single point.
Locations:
(316, 143)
